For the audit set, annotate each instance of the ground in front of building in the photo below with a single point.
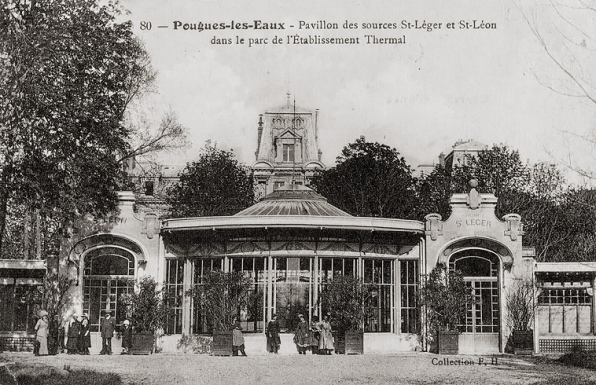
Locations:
(419, 368)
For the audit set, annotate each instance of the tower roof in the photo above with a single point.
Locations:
(293, 200)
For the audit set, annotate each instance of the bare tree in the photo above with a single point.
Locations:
(150, 135)
(567, 34)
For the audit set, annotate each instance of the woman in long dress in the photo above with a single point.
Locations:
(325, 337)
(301, 336)
(84, 336)
(73, 333)
(41, 333)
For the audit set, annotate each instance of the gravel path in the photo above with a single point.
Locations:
(419, 368)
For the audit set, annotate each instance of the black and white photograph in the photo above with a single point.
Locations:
(265, 192)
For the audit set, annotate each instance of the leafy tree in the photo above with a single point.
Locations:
(433, 193)
(53, 291)
(571, 229)
(216, 184)
(62, 102)
(558, 222)
(498, 170)
(369, 179)
(68, 73)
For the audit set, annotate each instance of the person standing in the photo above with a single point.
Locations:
(237, 339)
(108, 325)
(326, 337)
(272, 332)
(126, 337)
(54, 335)
(41, 333)
(301, 335)
(85, 336)
(74, 330)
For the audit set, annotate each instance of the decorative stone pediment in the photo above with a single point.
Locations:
(473, 224)
(289, 134)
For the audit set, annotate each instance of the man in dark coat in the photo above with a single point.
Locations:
(108, 325)
(273, 340)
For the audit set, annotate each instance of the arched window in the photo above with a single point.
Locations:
(475, 263)
(480, 269)
(109, 273)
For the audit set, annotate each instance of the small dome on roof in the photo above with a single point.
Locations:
(294, 200)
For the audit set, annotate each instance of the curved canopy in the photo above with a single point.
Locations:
(293, 207)
(294, 200)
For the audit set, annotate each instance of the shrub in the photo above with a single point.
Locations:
(220, 296)
(446, 297)
(348, 299)
(581, 359)
(145, 307)
(520, 306)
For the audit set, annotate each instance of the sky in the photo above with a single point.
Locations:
(494, 85)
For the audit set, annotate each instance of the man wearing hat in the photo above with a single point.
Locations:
(108, 325)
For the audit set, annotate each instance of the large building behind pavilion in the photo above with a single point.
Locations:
(287, 147)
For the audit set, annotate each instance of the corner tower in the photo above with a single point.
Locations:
(287, 148)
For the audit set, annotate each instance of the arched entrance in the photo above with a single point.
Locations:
(481, 331)
(108, 274)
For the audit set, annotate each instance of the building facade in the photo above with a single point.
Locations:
(292, 242)
(287, 148)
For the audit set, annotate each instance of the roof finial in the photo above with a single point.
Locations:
(288, 103)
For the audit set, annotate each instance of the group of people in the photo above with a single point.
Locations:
(317, 337)
(50, 335)
(78, 335)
